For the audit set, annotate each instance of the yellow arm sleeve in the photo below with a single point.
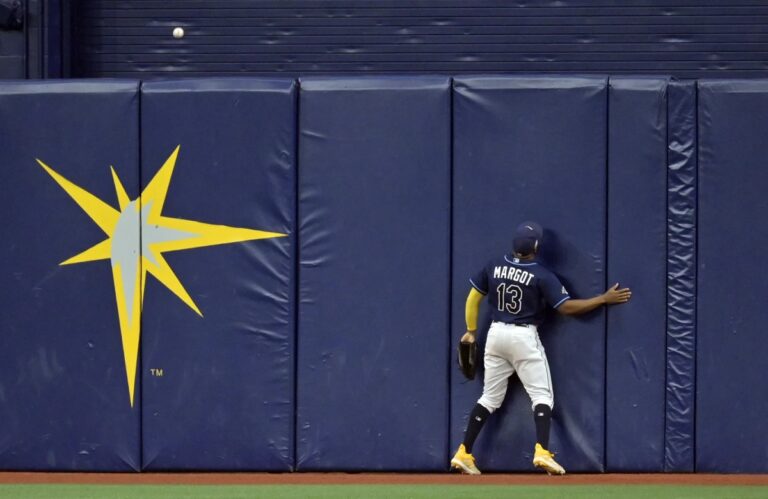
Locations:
(471, 308)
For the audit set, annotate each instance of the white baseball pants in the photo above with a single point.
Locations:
(509, 349)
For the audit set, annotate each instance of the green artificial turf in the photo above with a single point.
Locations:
(379, 491)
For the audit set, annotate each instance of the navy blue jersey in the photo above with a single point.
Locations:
(519, 290)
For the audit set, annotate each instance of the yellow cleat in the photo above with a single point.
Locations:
(545, 460)
(464, 462)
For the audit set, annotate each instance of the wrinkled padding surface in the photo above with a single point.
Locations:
(681, 277)
(374, 211)
(64, 401)
(731, 347)
(225, 398)
(534, 148)
(637, 256)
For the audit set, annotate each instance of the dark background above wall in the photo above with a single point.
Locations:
(682, 38)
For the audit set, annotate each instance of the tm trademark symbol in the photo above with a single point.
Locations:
(156, 372)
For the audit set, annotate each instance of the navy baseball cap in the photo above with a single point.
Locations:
(527, 238)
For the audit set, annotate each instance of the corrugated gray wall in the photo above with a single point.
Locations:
(35, 50)
(12, 54)
(684, 38)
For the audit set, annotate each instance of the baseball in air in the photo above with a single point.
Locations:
(178, 32)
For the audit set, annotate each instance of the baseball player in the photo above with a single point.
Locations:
(519, 288)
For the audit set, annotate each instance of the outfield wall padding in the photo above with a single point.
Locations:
(681, 277)
(637, 257)
(64, 398)
(224, 399)
(266, 274)
(731, 347)
(374, 215)
(534, 148)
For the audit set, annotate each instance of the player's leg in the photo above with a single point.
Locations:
(498, 369)
(530, 362)
(542, 417)
(497, 372)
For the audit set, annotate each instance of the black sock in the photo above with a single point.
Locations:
(476, 421)
(542, 415)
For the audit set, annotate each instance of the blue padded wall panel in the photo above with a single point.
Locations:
(224, 399)
(534, 148)
(681, 277)
(731, 392)
(637, 257)
(64, 398)
(374, 212)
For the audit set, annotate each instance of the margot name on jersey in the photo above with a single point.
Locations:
(513, 274)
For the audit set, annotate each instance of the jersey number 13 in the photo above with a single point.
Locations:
(510, 298)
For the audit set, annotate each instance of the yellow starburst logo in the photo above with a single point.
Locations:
(137, 236)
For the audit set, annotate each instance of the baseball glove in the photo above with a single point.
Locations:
(467, 353)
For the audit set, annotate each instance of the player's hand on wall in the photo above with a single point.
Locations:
(615, 295)
(469, 337)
